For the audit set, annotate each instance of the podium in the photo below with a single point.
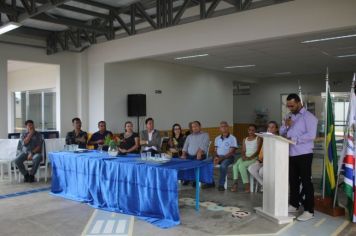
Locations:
(275, 178)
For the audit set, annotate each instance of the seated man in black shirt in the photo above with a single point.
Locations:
(77, 136)
(98, 137)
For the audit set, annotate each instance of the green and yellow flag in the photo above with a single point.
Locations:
(331, 159)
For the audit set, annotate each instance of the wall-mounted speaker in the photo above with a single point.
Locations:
(136, 105)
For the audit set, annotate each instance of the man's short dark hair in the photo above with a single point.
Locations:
(76, 119)
(293, 96)
(101, 122)
(197, 122)
(29, 122)
(148, 119)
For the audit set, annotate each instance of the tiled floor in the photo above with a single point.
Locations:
(43, 214)
(222, 213)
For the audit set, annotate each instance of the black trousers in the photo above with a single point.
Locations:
(300, 172)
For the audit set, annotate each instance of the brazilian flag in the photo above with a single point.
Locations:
(331, 159)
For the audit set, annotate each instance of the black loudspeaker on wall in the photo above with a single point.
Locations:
(136, 105)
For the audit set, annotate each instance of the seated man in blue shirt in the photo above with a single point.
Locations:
(98, 137)
(196, 145)
(29, 148)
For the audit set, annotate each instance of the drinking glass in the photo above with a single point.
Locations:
(143, 156)
(100, 148)
(148, 155)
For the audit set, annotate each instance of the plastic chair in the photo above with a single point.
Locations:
(52, 145)
(8, 149)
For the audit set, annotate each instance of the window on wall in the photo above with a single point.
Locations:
(36, 105)
(340, 109)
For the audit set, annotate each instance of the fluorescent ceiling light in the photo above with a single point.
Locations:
(241, 66)
(283, 73)
(192, 56)
(8, 27)
(330, 38)
(349, 55)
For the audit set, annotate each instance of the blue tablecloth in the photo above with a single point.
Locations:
(125, 184)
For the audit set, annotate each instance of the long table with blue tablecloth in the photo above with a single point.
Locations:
(126, 184)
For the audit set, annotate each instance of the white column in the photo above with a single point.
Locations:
(96, 94)
(3, 99)
(83, 90)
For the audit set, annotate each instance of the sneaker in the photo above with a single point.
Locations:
(185, 182)
(205, 186)
(31, 178)
(221, 188)
(305, 216)
(292, 209)
(26, 178)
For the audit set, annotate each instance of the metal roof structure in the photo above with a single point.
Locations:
(64, 25)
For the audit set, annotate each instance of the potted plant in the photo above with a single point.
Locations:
(112, 142)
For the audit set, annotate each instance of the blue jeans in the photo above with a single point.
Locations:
(22, 156)
(223, 170)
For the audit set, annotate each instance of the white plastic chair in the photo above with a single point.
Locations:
(8, 148)
(52, 145)
(253, 187)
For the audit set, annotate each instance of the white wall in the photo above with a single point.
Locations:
(68, 84)
(188, 93)
(43, 76)
(38, 77)
(267, 94)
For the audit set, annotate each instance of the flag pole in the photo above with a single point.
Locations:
(325, 125)
(345, 142)
(300, 93)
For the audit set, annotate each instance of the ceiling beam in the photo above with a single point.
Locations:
(121, 22)
(39, 10)
(83, 11)
(181, 12)
(143, 12)
(96, 4)
(69, 22)
(25, 30)
(212, 8)
(7, 9)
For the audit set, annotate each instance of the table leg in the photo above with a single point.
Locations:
(197, 188)
(2, 171)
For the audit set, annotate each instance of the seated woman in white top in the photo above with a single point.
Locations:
(256, 169)
(250, 148)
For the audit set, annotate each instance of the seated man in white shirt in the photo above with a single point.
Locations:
(225, 148)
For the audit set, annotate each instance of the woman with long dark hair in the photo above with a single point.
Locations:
(176, 141)
(129, 140)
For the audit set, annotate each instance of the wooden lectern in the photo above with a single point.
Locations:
(275, 178)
